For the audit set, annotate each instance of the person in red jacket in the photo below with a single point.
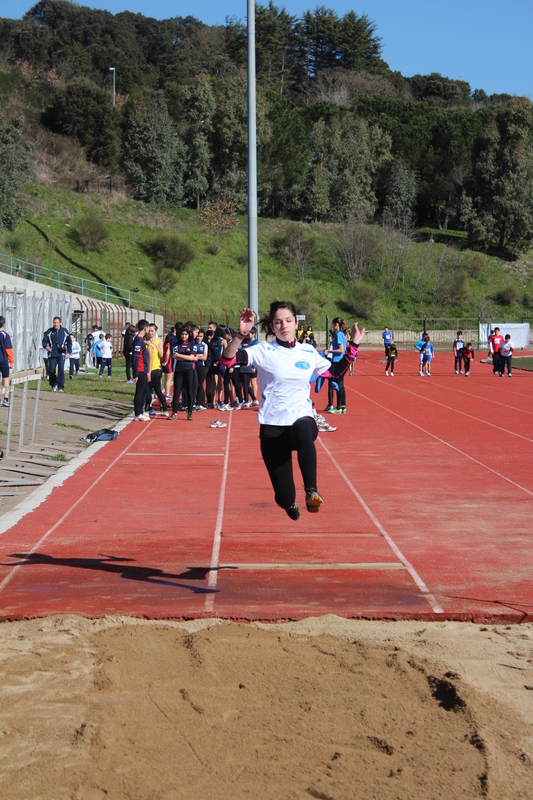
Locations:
(468, 357)
(495, 342)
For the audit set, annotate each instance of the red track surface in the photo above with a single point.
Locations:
(428, 487)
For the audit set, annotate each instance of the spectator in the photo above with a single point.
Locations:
(58, 343)
(6, 360)
(419, 346)
(127, 349)
(495, 342)
(106, 348)
(140, 371)
(74, 361)
(505, 354)
(387, 339)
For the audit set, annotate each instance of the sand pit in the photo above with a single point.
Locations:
(325, 708)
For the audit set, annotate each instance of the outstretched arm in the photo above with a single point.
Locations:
(246, 323)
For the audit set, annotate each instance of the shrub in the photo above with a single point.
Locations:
(15, 243)
(296, 247)
(213, 248)
(362, 300)
(474, 263)
(91, 233)
(171, 250)
(219, 216)
(165, 279)
(506, 296)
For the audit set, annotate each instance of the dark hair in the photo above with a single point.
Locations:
(142, 324)
(153, 325)
(2, 322)
(267, 319)
(187, 328)
(253, 330)
(459, 333)
(341, 323)
(507, 335)
(469, 344)
(59, 318)
(220, 332)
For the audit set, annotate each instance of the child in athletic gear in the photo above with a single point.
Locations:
(183, 371)
(427, 355)
(97, 351)
(468, 357)
(387, 339)
(74, 365)
(418, 346)
(506, 356)
(392, 355)
(140, 371)
(106, 348)
(6, 360)
(458, 352)
(285, 368)
(336, 351)
(495, 342)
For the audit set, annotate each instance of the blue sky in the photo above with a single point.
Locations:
(485, 42)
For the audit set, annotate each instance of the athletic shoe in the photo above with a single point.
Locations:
(313, 501)
(173, 415)
(329, 410)
(164, 414)
(54, 388)
(255, 403)
(218, 424)
(152, 412)
(392, 374)
(428, 374)
(246, 405)
(226, 408)
(462, 373)
(167, 396)
(336, 411)
(199, 408)
(109, 376)
(457, 372)
(236, 405)
(293, 512)
(386, 373)
(319, 419)
(60, 390)
(189, 415)
(509, 376)
(467, 374)
(5, 402)
(146, 416)
(141, 419)
(421, 374)
(130, 381)
(325, 427)
(220, 405)
(181, 407)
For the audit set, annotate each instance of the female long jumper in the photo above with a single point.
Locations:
(286, 369)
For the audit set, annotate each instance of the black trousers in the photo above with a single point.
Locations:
(141, 388)
(390, 363)
(201, 372)
(458, 362)
(277, 444)
(341, 393)
(235, 378)
(129, 362)
(183, 380)
(506, 360)
(246, 379)
(74, 366)
(496, 363)
(468, 361)
(156, 386)
(56, 362)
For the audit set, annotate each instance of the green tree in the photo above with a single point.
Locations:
(284, 158)
(153, 155)
(16, 169)
(401, 196)
(497, 206)
(84, 111)
(199, 107)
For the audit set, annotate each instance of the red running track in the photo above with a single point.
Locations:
(428, 488)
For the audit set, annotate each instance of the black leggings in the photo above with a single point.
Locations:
(246, 378)
(183, 380)
(341, 393)
(458, 363)
(156, 386)
(390, 363)
(201, 371)
(129, 362)
(236, 381)
(277, 444)
(141, 388)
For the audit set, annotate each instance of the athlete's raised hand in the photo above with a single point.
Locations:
(357, 335)
(246, 321)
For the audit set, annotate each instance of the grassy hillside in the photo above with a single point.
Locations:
(439, 277)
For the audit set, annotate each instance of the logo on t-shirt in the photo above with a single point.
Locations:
(302, 365)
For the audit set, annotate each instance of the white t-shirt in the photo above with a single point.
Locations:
(76, 350)
(106, 348)
(506, 349)
(284, 375)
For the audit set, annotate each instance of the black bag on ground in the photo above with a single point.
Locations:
(103, 435)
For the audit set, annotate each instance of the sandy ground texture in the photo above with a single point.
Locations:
(324, 708)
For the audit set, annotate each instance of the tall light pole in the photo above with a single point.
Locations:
(253, 293)
(113, 71)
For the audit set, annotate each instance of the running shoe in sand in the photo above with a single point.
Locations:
(218, 424)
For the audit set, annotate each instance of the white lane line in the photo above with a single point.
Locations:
(334, 565)
(176, 455)
(215, 554)
(392, 544)
(455, 410)
(442, 441)
(43, 538)
(493, 402)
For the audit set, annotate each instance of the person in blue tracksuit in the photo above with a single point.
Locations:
(418, 346)
(57, 343)
(427, 355)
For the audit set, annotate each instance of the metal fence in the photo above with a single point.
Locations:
(84, 286)
(442, 331)
(27, 317)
